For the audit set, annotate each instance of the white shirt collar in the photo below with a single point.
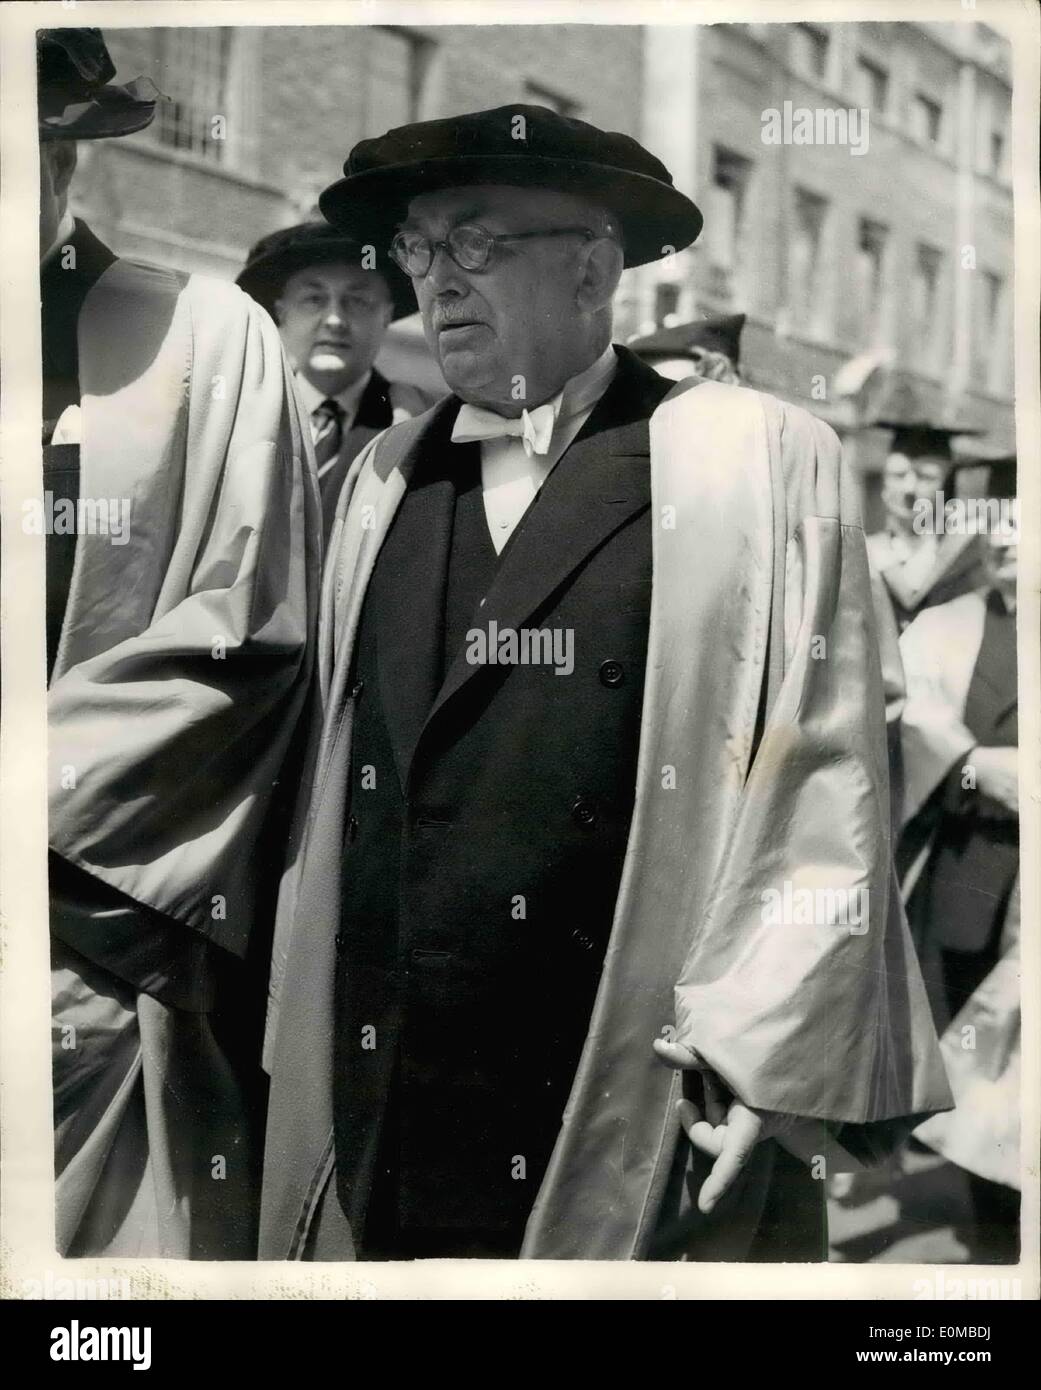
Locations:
(584, 390)
(510, 479)
(311, 398)
(579, 393)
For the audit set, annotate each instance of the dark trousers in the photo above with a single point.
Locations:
(995, 1210)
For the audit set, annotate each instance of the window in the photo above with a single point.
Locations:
(870, 275)
(926, 119)
(194, 67)
(396, 67)
(542, 96)
(997, 152)
(989, 350)
(727, 199)
(810, 49)
(925, 285)
(872, 86)
(805, 299)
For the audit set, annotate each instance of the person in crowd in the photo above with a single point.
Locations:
(959, 856)
(179, 645)
(601, 692)
(919, 563)
(333, 309)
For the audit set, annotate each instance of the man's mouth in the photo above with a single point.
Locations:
(451, 324)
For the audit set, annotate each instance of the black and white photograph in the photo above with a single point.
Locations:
(513, 644)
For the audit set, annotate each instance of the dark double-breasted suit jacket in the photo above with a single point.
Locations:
(490, 806)
(489, 812)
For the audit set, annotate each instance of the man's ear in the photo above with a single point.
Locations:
(601, 269)
(278, 310)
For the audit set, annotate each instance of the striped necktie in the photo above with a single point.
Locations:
(327, 428)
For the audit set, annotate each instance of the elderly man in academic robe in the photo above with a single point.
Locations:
(179, 647)
(960, 851)
(531, 995)
(918, 563)
(333, 302)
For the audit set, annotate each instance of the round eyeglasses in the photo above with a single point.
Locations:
(469, 245)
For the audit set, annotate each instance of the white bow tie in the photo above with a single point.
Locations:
(533, 427)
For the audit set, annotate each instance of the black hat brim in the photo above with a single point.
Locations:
(915, 428)
(688, 340)
(656, 219)
(263, 278)
(109, 112)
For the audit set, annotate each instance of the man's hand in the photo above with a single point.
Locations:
(727, 1132)
(997, 775)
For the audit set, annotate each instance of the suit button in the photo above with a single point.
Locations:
(352, 830)
(357, 690)
(583, 812)
(612, 673)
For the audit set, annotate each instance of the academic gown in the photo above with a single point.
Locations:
(761, 760)
(179, 661)
(962, 853)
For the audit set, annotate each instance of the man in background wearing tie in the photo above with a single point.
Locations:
(514, 874)
(333, 311)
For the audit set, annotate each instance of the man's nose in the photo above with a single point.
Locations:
(444, 276)
(333, 314)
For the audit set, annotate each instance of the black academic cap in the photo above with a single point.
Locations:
(276, 256)
(525, 146)
(719, 334)
(1001, 481)
(923, 436)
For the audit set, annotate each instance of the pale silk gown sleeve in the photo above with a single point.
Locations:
(801, 988)
(182, 669)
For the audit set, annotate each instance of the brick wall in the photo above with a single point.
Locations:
(313, 93)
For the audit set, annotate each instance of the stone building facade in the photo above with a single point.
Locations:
(862, 273)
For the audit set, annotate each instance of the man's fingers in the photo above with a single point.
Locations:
(717, 1098)
(740, 1135)
(677, 1054)
(705, 1137)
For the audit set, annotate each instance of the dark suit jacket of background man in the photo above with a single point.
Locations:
(376, 410)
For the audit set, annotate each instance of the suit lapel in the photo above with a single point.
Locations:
(956, 556)
(374, 413)
(409, 593)
(599, 485)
